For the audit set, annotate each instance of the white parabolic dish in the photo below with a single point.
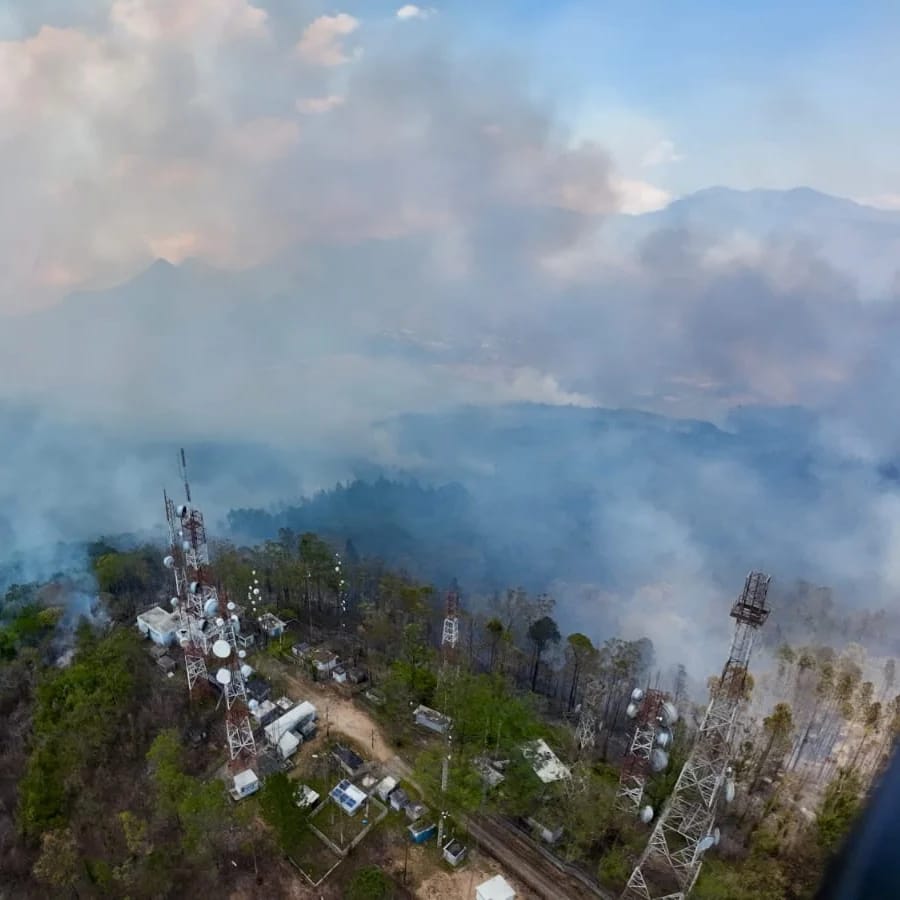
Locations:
(222, 649)
(223, 676)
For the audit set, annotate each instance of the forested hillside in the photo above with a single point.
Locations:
(132, 807)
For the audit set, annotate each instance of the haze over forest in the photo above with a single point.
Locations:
(314, 248)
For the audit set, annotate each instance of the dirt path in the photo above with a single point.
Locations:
(441, 885)
(339, 713)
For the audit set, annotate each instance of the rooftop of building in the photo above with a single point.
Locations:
(158, 619)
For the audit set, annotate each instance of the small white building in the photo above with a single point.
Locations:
(454, 852)
(271, 624)
(282, 733)
(546, 764)
(264, 713)
(245, 784)
(305, 797)
(384, 788)
(323, 661)
(292, 720)
(497, 888)
(158, 625)
(431, 719)
(348, 797)
(288, 744)
(339, 674)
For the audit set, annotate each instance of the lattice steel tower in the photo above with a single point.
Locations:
(653, 715)
(207, 632)
(450, 634)
(684, 831)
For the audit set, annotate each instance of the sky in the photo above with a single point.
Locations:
(429, 201)
(106, 98)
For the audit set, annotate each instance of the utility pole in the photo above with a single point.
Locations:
(445, 778)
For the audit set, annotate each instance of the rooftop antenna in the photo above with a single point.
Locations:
(685, 830)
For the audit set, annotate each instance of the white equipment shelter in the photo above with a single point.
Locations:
(497, 888)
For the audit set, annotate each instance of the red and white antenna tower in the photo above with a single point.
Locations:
(671, 861)
(207, 632)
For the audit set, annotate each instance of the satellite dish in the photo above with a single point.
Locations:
(659, 759)
(669, 713)
(246, 671)
(637, 695)
(181, 511)
(242, 653)
(663, 737)
(717, 836)
(705, 844)
(211, 607)
(169, 561)
(631, 710)
(195, 587)
(234, 617)
(646, 814)
(337, 568)
(174, 602)
(220, 622)
(253, 704)
(223, 676)
(256, 592)
(231, 605)
(729, 791)
(185, 545)
(222, 649)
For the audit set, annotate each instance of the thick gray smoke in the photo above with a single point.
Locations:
(414, 234)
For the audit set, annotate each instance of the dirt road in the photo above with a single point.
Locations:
(534, 868)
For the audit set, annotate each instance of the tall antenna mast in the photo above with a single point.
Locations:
(669, 866)
(209, 627)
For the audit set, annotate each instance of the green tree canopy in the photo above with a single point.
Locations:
(370, 883)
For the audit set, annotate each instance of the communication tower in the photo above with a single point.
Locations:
(450, 634)
(589, 721)
(685, 830)
(654, 715)
(209, 627)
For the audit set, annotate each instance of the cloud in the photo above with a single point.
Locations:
(168, 20)
(660, 154)
(882, 201)
(410, 11)
(265, 139)
(636, 197)
(322, 42)
(316, 105)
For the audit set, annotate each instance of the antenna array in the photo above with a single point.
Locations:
(669, 866)
(654, 715)
(207, 632)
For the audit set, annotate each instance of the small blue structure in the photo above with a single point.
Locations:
(421, 833)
